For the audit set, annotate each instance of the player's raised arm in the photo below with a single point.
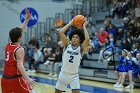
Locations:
(62, 32)
(86, 41)
(28, 16)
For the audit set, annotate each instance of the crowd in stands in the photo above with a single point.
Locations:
(113, 37)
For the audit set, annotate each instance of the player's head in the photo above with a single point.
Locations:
(77, 36)
(15, 35)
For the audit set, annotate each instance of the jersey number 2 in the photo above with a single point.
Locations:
(71, 59)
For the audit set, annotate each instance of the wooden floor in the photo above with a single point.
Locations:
(46, 84)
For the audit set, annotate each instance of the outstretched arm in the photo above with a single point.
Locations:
(62, 32)
(86, 41)
(28, 16)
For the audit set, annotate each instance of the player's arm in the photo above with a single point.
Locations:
(86, 41)
(62, 35)
(20, 58)
(28, 16)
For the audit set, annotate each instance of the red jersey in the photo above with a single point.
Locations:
(10, 67)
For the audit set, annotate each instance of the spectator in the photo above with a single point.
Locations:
(116, 8)
(126, 44)
(58, 61)
(33, 42)
(49, 43)
(96, 43)
(112, 30)
(137, 49)
(38, 58)
(90, 28)
(102, 35)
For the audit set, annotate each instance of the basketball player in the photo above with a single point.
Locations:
(15, 78)
(71, 58)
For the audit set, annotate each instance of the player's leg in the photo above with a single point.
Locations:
(22, 86)
(75, 84)
(14, 85)
(58, 91)
(75, 91)
(4, 84)
(62, 83)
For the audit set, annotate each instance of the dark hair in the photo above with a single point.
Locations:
(78, 32)
(14, 34)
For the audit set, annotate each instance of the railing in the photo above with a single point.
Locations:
(111, 55)
(60, 16)
(49, 24)
(87, 7)
(41, 29)
(32, 31)
(67, 15)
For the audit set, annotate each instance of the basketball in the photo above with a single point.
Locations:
(78, 21)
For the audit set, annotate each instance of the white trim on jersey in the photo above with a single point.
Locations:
(15, 52)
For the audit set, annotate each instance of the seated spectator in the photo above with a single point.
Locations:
(50, 44)
(95, 42)
(112, 30)
(90, 51)
(107, 22)
(38, 58)
(127, 44)
(49, 60)
(102, 35)
(58, 61)
(33, 42)
(136, 49)
(123, 9)
(90, 28)
(116, 8)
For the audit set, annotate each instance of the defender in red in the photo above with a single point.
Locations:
(15, 78)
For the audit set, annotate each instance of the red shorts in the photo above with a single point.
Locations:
(15, 85)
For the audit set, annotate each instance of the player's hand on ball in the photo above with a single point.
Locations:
(71, 22)
(84, 25)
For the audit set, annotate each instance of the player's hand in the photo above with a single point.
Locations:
(84, 25)
(71, 22)
(28, 14)
(31, 83)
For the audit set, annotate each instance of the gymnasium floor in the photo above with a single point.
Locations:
(46, 84)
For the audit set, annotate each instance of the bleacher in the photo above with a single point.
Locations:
(91, 69)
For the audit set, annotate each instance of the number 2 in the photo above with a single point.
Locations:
(71, 59)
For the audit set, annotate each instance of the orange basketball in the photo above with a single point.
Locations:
(78, 21)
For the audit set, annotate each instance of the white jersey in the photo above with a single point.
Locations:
(71, 59)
